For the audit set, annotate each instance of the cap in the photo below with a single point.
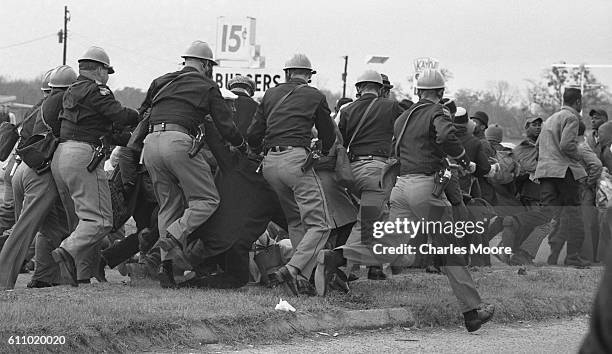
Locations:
(598, 111)
(482, 117)
(530, 120)
(449, 103)
(494, 133)
(461, 116)
(386, 82)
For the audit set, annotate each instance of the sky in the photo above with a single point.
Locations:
(478, 41)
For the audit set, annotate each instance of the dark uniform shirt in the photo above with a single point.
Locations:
(428, 138)
(188, 100)
(90, 110)
(51, 110)
(245, 108)
(376, 132)
(291, 124)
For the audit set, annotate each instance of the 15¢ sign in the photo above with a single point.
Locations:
(235, 37)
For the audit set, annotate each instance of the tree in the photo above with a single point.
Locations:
(547, 93)
(130, 97)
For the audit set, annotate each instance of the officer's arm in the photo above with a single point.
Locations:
(222, 153)
(445, 136)
(148, 99)
(257, 129)
(103, 102)
(222, 117)
(325, 126)
(396, 111)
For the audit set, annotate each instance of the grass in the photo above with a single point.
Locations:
(118, 317)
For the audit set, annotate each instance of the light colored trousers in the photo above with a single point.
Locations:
(37, 208)
(372, 208)
(184, 187)
(87, 201)
(302, 198)
(411, 198)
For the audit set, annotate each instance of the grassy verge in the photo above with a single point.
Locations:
(118, 317)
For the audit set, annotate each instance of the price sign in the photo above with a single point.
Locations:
(235, 36)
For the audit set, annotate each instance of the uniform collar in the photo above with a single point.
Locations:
(297, 81)
(367, 96)
(189, 68)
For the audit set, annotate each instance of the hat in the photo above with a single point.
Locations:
(494, 133)
(482, 117)
(605, 133)
(598, 111)
(530, 120)
(461, 116)
(450, 104)
(386, 82)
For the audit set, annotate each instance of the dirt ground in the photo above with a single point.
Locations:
(558, 336)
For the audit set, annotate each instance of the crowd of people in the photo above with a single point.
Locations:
(212, 177)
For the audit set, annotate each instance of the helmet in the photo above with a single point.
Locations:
(299, 61)
(44, 85)
(62, 76)
(370, 76)
(98, 54)
(430, 79)
(240, 81)
(200, 50)
(386, 82)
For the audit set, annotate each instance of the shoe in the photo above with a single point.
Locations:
(327, 265)
(101, 276)
(146, 240)
(476, 318)
(577, 262)
(66, 264)
(304, 287)
(396, 270)
(555, 250)
(34, 284)
(283, 276)
(376, 273)
(166, 276)
(84, 281)
(520, 258)
(24, 268)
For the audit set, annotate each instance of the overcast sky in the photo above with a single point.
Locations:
(478, 41)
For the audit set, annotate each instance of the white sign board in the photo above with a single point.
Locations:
(421, 64)
(264, 79)
(235, 37)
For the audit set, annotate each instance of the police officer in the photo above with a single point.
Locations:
(423, 138)
(184, 186)
(366, 126)
(285, 117)
(37, 203)
(89, 112)
(244, 106)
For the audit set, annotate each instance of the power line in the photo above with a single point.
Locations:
(28, 41)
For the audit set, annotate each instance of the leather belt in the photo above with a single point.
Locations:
(368, 158)
(281, 148)
(165, 127)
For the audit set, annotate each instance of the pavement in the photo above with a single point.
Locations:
(557, 336)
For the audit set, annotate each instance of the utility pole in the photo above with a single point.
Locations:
(63, 34)
(344, 76)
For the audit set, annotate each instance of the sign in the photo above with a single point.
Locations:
(421, 64)
(235, 38)
(264, 79)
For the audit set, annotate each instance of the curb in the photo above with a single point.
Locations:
(289, 323)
